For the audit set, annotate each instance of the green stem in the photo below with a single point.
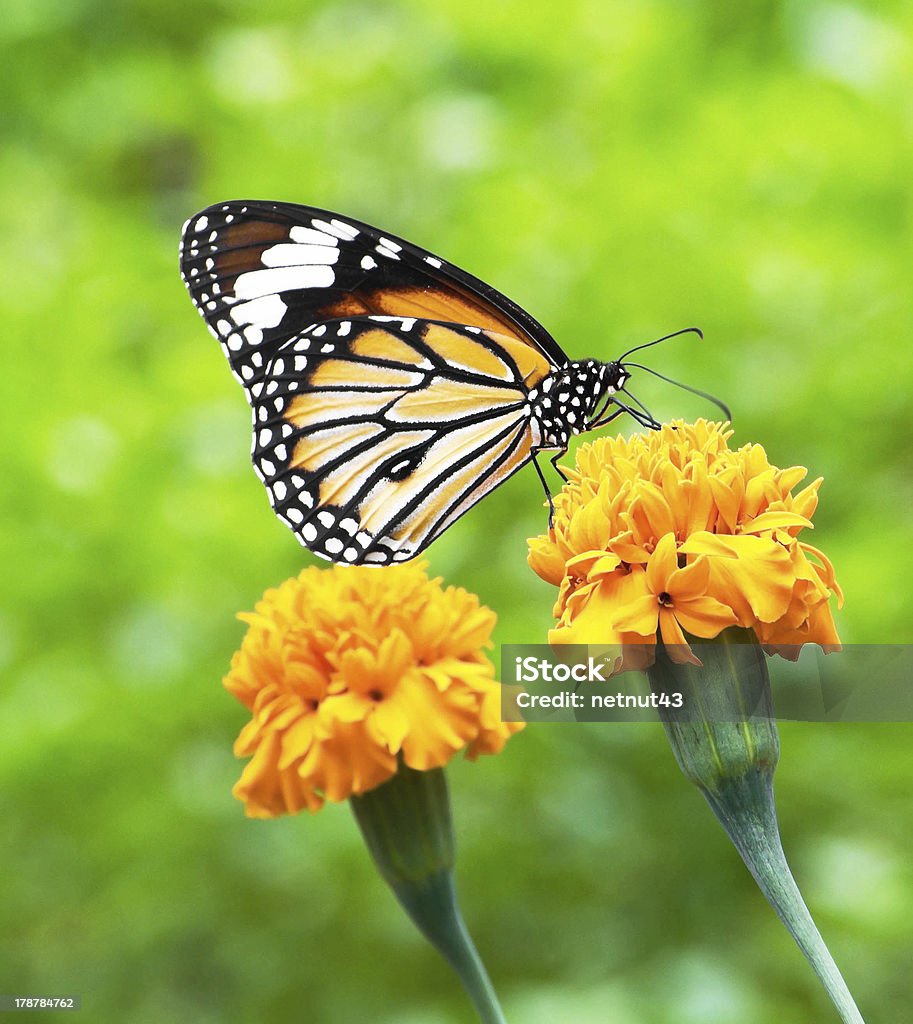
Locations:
(745, 808)
(724, 736)
(407, 826)
(436, 913)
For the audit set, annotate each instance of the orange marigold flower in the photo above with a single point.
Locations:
(348, 669)
(672, 532)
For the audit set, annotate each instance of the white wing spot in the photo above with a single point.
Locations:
(257, 283)
(292, 255)
(368, 263)
(344, 229)
(309, 236)
(336, 227)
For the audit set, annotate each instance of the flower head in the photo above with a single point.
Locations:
(672, 532)
(345, 670)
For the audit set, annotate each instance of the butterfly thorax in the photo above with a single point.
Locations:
(567, 401)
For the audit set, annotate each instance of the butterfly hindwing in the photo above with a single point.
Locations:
(259, 273)
(373, 434)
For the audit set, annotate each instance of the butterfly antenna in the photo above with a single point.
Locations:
(718, 402)
(665, 337)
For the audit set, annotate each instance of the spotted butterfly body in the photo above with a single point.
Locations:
(390, 390)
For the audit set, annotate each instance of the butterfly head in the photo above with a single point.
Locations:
(609, 396)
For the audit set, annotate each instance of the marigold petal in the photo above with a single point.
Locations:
(663, 562)
(704, 616)
(593, 625)
(758, 584)
(628, 550)
(656, 507)
(639, 616)
(603, 567)
(689, 582)
(775, 521)
(708, 544)
(545, 559)
(677, 646)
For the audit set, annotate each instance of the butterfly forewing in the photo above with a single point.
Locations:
(261, 272)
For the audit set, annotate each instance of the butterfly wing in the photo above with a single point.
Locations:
(374, 434)
(259, 273)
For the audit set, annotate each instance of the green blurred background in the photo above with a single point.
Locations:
(622, 169)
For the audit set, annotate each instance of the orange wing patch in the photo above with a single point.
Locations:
(323, 408)
(533, 366)
(464, 353)
(312, 450)
(444, 399)
(382, 344)
(427, 303)
(334, 373)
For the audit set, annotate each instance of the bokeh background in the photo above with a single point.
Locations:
(622, 169)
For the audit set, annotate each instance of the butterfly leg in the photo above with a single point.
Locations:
(554, 461)
(548, 493)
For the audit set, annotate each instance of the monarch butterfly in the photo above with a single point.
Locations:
(390, 390)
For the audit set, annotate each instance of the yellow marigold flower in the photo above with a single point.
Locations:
(672, 532)
(348, 670)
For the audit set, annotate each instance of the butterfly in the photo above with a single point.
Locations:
(390, 390)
